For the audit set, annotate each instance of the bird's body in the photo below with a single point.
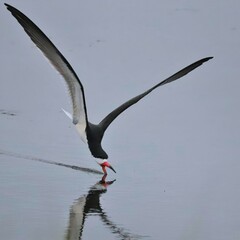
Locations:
(91, 134)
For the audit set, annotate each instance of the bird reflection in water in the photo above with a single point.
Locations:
(89, 204)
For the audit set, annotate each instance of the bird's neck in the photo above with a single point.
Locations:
(100, 161)
(94, 137)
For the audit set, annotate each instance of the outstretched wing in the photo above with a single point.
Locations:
(59, 62)
(111, 116)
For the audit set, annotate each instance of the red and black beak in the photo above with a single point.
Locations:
(107, 164)
(112, 168)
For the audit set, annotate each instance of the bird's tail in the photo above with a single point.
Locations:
(81, 130)
(67, 113)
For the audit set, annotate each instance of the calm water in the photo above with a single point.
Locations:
(176, 152)
(44, 195)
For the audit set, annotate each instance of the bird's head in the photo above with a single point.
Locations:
(104, 164)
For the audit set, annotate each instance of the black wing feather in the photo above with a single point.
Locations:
(111, 116)
(58, 61)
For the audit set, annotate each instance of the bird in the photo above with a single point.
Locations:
(91, 134)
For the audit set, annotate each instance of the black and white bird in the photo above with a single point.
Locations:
(91, 134)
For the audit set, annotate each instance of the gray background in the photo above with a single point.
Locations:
(176, 152)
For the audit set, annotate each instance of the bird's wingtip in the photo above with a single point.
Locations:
(203, 60)
(208, 58)
(7, 5)
(10, 8)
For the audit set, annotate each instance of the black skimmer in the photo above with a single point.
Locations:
(91, 134)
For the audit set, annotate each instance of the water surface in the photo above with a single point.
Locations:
(176, 152)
